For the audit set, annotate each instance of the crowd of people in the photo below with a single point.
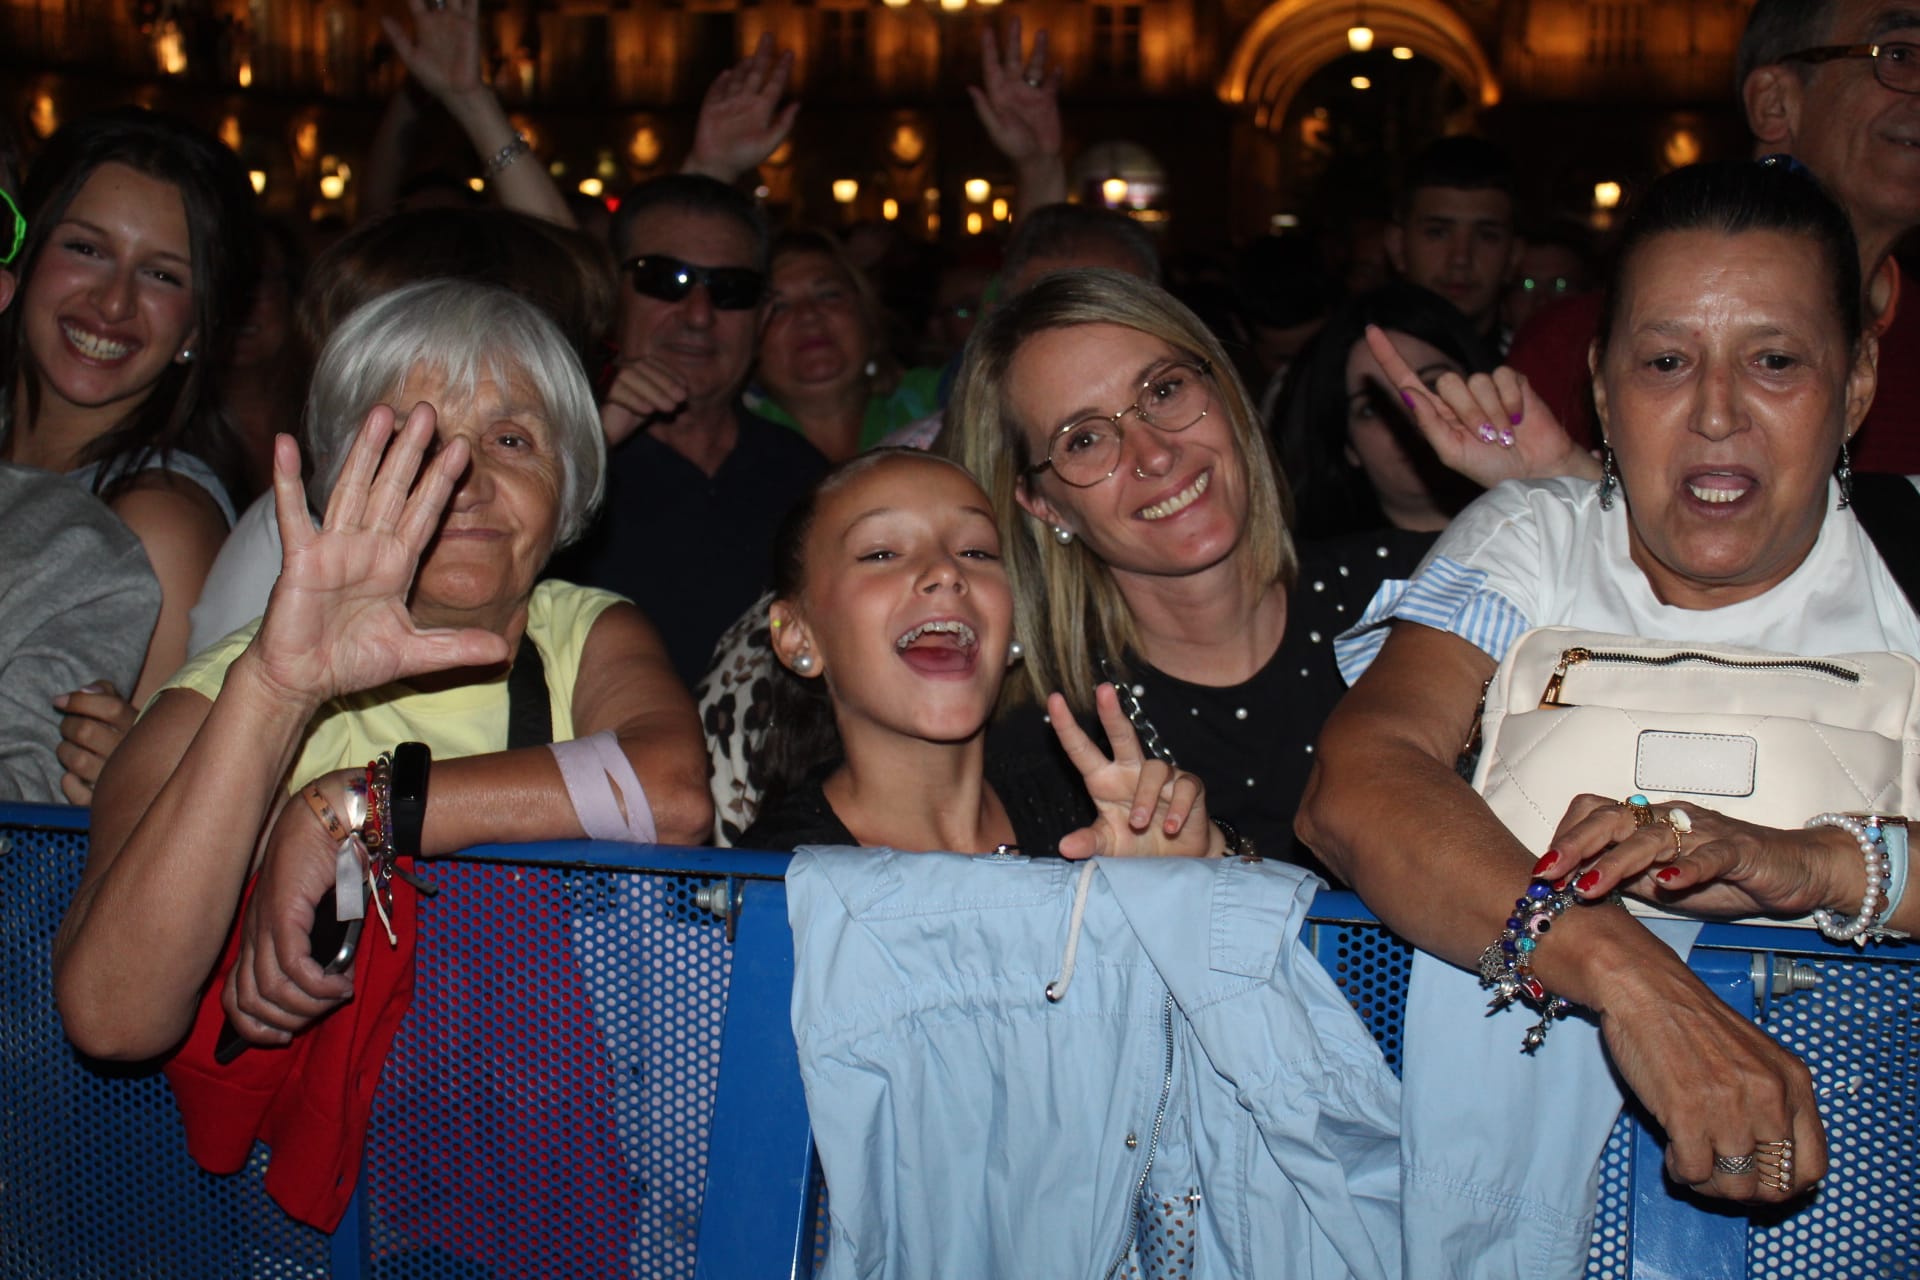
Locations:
(677, 527)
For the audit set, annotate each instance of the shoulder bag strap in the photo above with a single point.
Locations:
(1888, 507)
(529, 708)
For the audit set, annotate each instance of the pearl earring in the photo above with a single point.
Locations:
(873, 369)
(186, 355)
(803, 663)
(1015, 652)
(1062, 536)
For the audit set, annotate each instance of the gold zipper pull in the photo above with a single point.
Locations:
(1568, 658)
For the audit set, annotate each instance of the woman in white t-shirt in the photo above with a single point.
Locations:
(1730, 371)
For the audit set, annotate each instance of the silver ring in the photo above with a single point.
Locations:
(1033, 82)
(1734, 1164)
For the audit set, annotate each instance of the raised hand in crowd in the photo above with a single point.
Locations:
(741, 119)
(1144, 807)
(96, 719)
(1489, 427)
(337, 621)
(443, 54)
(1018, 102)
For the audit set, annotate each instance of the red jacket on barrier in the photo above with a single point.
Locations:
(310, 1101)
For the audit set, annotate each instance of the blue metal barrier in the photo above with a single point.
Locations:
(598, 1078)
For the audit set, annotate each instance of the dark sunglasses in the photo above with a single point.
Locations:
(669, 279)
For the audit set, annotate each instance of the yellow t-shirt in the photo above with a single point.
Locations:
(467, 721)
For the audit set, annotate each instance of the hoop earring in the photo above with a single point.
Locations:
(1609, 481)
(1844, 474)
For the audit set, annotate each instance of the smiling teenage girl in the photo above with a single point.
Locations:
(138, 256)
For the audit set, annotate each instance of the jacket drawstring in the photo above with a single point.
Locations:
(1057, 989)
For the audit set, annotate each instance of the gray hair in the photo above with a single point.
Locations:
(464, 332)
(1775, 29)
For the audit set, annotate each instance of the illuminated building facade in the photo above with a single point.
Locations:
(1211, 116)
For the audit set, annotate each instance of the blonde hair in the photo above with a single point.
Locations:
(1067, 607)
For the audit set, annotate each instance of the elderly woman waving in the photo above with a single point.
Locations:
(396, 620)
(1730, 373)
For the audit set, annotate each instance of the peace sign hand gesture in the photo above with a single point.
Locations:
(1489, 427)
(337, 621)
(1144, 807)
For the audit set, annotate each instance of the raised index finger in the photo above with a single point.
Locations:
(1120, 735)
(1392, 363)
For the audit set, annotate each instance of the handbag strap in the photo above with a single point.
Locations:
(1888, 507)
(529, 708)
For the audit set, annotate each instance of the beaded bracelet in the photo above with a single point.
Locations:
(506, 155)
(1864, 927)
(1506, 966)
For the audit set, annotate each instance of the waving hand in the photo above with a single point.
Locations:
(337, 621)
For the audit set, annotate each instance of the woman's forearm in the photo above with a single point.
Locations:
(170, 851)
(524, 185)
(512, 797)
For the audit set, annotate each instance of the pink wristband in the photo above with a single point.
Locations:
(598, 777)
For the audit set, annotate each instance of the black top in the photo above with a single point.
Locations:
(1041, 812)
(1251, 743)
(693, 550)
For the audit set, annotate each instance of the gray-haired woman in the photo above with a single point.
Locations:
(397, 619)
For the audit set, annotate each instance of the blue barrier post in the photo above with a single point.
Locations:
(757, 1217)
(1677, 1235)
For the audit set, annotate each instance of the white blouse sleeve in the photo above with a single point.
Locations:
(1484, 580)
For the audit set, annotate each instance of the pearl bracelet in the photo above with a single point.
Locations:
(1866, 925)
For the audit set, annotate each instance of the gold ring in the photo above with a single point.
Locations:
(1642, 811)
(1674, 827)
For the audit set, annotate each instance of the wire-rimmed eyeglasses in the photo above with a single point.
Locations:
(1173, 396)
(1895, 64)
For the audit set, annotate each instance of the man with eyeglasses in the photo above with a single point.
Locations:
(1835, 84)
(696, 486)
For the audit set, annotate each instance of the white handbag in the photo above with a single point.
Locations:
(1769, 738)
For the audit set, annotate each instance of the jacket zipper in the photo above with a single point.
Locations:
(1570, 658)
(1153, 1142)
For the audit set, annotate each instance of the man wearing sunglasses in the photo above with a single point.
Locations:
(1834, 84)
(696, 486)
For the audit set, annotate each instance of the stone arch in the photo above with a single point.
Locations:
(1292, 39)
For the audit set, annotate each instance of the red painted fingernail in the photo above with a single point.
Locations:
(1586, 882)
(1561, 883)
(1547, 860)
(1665, 874)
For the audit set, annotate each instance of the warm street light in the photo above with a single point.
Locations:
(845, 190)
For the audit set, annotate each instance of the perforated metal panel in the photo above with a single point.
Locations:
(546, 1108)
(1370, 967)
(94, 1175)
(1859, 1032)
(1608, 1256)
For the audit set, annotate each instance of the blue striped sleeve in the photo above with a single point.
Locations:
(1445, 595)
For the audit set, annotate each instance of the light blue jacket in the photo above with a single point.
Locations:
(1202, 1093)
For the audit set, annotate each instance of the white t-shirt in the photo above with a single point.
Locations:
(1544, 553)
(241, 578)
